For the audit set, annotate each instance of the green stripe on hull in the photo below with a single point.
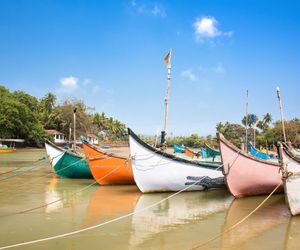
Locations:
(71, 166)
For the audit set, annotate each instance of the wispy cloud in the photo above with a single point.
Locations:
(189, 75)
(69, 83)
(150, 10)
(219, 69)
(96, 89)
(206, 28)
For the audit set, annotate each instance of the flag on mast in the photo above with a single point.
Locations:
(168, 59)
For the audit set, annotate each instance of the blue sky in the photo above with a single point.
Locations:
(110, 54)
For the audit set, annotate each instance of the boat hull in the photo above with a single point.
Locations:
(246, 175)
(66, 164)
(291, 181)
(156, 171)
(108, 169)
(54, 153)
(7, 150)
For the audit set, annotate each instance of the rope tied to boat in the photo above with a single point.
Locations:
(239, 222)
(16, 169)
(71, 195)
(100, 224)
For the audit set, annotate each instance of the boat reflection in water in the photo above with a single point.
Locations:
(292, 235)
(185, 208)
(269, 221)
(108, 202)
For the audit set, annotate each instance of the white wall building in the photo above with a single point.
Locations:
(58, 137)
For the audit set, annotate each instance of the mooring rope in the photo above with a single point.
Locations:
(239, 222)
(52, 173)
(101, 224)
(71, 195)
(16, 169)
(23, 172)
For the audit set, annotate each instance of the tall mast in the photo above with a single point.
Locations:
(281, 113)
(168, 65)
(246, 146)
(74, 132)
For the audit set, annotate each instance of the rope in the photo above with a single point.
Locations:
(71, 195)
(51, 173)
(239, 222)
(101, 224)
(18, 174)
(23, 166)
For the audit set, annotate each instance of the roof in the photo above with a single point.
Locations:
(92, 135)
(53, 132)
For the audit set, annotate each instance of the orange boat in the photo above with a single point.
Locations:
(108, 168)
(190, 153)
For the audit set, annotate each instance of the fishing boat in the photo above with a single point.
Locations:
(157, 171)
(211, 152)
(203, 153)
(66, 163)
(178, 149)
(190, 153)
(108, 168)
(257, 153)
(246, 175)
(6, 149)
(291, 178)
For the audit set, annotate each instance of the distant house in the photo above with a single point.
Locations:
(93, 139)
(58, 137)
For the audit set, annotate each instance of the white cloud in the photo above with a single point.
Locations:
(158, 11)
(150, 10)
(69, 82)
(189, 74)
(206, 27)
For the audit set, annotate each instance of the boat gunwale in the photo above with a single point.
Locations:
(211, 148)
(62, 150)
(102, 152)
(212, 166)
(222, 139)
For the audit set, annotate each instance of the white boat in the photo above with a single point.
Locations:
(54, 153)
(291, 178)
(157, 171)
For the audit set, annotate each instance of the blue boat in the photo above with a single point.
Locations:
(178, 149)
(203, 153)
(258, 154)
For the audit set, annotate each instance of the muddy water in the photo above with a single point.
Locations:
(182, 222)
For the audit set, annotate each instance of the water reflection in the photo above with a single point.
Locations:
(269, 220)
(292, 236)
(108, 202)
(182, 209)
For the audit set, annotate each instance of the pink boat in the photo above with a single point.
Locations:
(246, 175)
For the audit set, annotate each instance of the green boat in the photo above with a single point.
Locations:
(211, 152)
(69, 164)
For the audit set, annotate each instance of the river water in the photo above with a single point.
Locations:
(184, 221)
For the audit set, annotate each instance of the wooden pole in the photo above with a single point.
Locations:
(246, 143)
(281, 113)
(167, 100)
(74, 132)
(168, 64)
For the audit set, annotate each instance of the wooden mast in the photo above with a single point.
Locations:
(74, 132)
(246, 144)
(168, 64)
(281, 113)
